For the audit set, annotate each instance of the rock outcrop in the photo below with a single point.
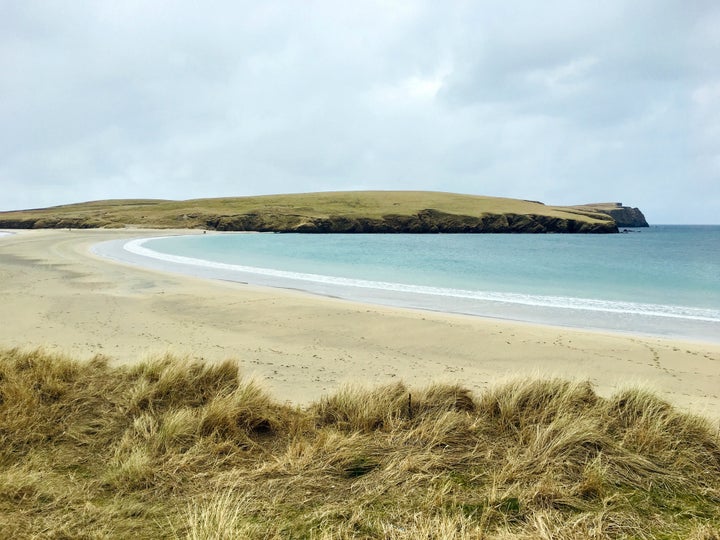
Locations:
(624, 216)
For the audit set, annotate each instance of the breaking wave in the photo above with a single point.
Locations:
(559, 302)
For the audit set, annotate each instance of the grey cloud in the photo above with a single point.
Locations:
(565, 102)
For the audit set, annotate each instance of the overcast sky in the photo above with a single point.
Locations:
(562, 101)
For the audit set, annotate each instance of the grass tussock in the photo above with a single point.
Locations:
(175, 448)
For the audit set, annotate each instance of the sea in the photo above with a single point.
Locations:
(661, 281)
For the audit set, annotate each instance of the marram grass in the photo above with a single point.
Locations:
(174, 448)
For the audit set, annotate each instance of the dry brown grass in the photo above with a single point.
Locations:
(174, 448)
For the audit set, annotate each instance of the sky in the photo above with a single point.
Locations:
(560, 101)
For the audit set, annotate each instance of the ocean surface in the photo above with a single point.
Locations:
(664, 280)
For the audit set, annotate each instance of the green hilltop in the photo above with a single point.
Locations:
(328, 212)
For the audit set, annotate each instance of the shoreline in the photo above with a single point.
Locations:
(626, 318)
(61, 297)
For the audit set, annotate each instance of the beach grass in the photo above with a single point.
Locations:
(178, 448)
(286, 212)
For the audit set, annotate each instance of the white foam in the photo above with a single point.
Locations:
(560, 302)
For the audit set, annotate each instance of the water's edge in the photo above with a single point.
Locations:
(620, 317)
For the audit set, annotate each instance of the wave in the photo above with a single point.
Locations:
(559, 302)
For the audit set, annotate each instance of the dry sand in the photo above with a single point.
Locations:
(55, 294)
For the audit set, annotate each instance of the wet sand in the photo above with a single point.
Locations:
(57, 295)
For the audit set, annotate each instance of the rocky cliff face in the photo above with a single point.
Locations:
(425, 221)
(624, 216)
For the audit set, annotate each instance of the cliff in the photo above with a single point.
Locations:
(624, 216)
(424, 222)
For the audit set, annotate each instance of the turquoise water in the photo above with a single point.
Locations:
(662, 280)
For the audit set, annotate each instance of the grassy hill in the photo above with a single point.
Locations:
(362, 211)
(173, 448)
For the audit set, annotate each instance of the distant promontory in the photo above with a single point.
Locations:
(337, 212)
(624, 216)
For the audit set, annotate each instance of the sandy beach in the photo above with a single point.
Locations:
(57, 295)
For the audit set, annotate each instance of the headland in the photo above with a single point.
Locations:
(335, 212)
